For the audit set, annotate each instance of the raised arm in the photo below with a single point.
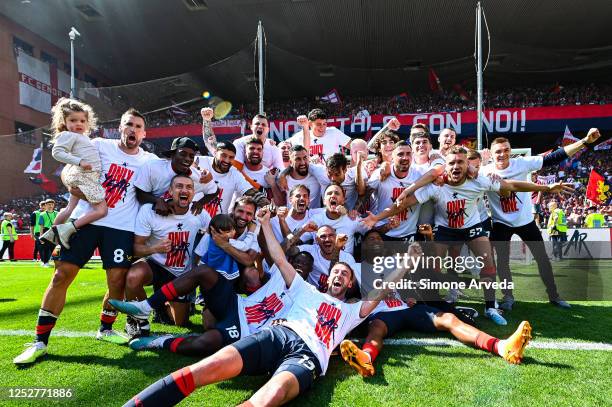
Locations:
(507, 185)
(208, 135)
(360, 182)
(275, 250)
(395, 209)
(375, 296)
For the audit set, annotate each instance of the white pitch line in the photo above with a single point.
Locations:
(554, 345)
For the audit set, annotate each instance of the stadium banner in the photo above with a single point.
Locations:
(549, 119)
(41, 84)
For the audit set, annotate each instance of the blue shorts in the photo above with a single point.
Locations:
(277, 349)
(459, 236)
(419, 318)
(222, 301)
(116, 247)
(161, 276)
(487, 225)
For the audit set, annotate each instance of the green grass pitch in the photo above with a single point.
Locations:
(102, 374)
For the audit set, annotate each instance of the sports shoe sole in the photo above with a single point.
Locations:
(349, 351)
(115, 339)
(31, 360)
(517, 343)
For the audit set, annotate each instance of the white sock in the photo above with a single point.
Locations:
(144, 305)
(501, 347)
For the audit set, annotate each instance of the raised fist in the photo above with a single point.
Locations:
(207, 114)
(302, 121)
(394, 124)
(341, 240)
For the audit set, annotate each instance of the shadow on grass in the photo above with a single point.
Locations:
(8, 299)
(33, 310)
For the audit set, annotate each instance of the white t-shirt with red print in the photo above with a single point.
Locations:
(119, 171)
(181, 230)
(228, 184)
(456, 207)
(320, 320)
(514, 210)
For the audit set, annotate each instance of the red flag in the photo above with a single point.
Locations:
(568, 137)
(47, 184)
(461, 92)
(598, 189)
(434, 81)
(556, 89)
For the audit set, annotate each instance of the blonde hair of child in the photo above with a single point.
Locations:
(63, 108)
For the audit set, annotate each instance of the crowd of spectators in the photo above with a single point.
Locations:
(450, 100)
(577, 171)
(21, 208)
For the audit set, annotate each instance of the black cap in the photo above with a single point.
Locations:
(181, 142)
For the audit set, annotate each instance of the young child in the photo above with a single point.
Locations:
(215, 257)
(72, 122)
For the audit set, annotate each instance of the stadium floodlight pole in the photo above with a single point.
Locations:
(261, 62)
(72, 35)
(478, 77)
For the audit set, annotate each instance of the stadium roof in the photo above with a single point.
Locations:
(360, 47)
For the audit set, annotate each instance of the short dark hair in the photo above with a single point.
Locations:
(259, 116)
(226, 145)
(180, 176)
(133, 112)
(254, 140)
(299, 186)
(500, 140)
(334, 184)
(315, 114)
(422, 134)
(245, 200)
(402, 143)
(337, 160)
(222, 222)
(297, 148)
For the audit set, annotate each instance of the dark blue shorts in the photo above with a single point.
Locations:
(222, 301)
(487, 224)
(459, 236)
(277, 349)
(161, 276)
(116, 246)
(419, 318)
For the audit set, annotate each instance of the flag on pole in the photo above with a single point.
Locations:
(332, 97)
(461, 92)
(598, 189)
(434, 81)
(568, 137)
(35, 165)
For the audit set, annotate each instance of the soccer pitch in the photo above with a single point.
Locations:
(568, 362)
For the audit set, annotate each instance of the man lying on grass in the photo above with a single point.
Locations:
(296, 351)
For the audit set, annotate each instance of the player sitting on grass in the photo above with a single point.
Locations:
(236, 316)
(393, 315)
(296, 351)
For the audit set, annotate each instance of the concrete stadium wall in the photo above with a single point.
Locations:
(14, 157)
